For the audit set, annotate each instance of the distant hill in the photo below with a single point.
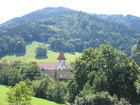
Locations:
(68, 30)
(132, 22)
(44, 13)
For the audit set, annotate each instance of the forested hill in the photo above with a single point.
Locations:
(65, 30)
(44, 13)
(133, 22)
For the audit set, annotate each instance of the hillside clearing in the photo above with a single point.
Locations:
(52, 56)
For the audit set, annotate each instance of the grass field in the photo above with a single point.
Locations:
(52, 56)
(35, 101)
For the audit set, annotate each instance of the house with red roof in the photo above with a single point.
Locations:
(59, 66)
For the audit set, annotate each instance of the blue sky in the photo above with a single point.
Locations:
(16, 8)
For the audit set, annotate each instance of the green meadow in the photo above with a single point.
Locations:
(52, 56)
(35, 101)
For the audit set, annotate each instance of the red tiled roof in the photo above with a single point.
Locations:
(47, 65)
(61, 56)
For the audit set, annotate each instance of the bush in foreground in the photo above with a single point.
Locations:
(20, 94)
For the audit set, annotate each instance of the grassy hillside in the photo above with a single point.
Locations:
(52, 56)
(35, 101)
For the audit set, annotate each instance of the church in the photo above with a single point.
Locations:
(60, 67)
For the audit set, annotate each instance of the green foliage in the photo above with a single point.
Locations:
(41, 52)
(102, 98)
(137, 84)
(11, 72)
(133, 22)
(56, 92)
(34, 101)
(70, 30)
(135, 53)
(51, 55)
(12, 45)
(41, 86)
(20, 94)
(60, 45)
(105, 69)
(49, 89)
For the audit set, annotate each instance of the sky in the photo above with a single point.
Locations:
(16, 8)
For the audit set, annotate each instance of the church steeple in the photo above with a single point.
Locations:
(61, 58)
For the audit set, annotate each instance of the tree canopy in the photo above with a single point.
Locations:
(105, 69)
(12, 72)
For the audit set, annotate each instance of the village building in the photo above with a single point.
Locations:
(59, 68)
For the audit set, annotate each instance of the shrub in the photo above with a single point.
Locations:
(20, 94)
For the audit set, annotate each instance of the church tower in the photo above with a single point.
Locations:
(61, 59)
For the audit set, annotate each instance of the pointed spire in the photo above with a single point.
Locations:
(61, 56)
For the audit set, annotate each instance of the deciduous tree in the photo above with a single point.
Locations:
(20, 94)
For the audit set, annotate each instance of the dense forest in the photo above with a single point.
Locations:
(130, 21)
(68, 30)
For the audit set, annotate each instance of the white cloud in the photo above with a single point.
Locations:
(14, 8)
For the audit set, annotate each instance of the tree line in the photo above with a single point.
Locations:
(12, 45)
